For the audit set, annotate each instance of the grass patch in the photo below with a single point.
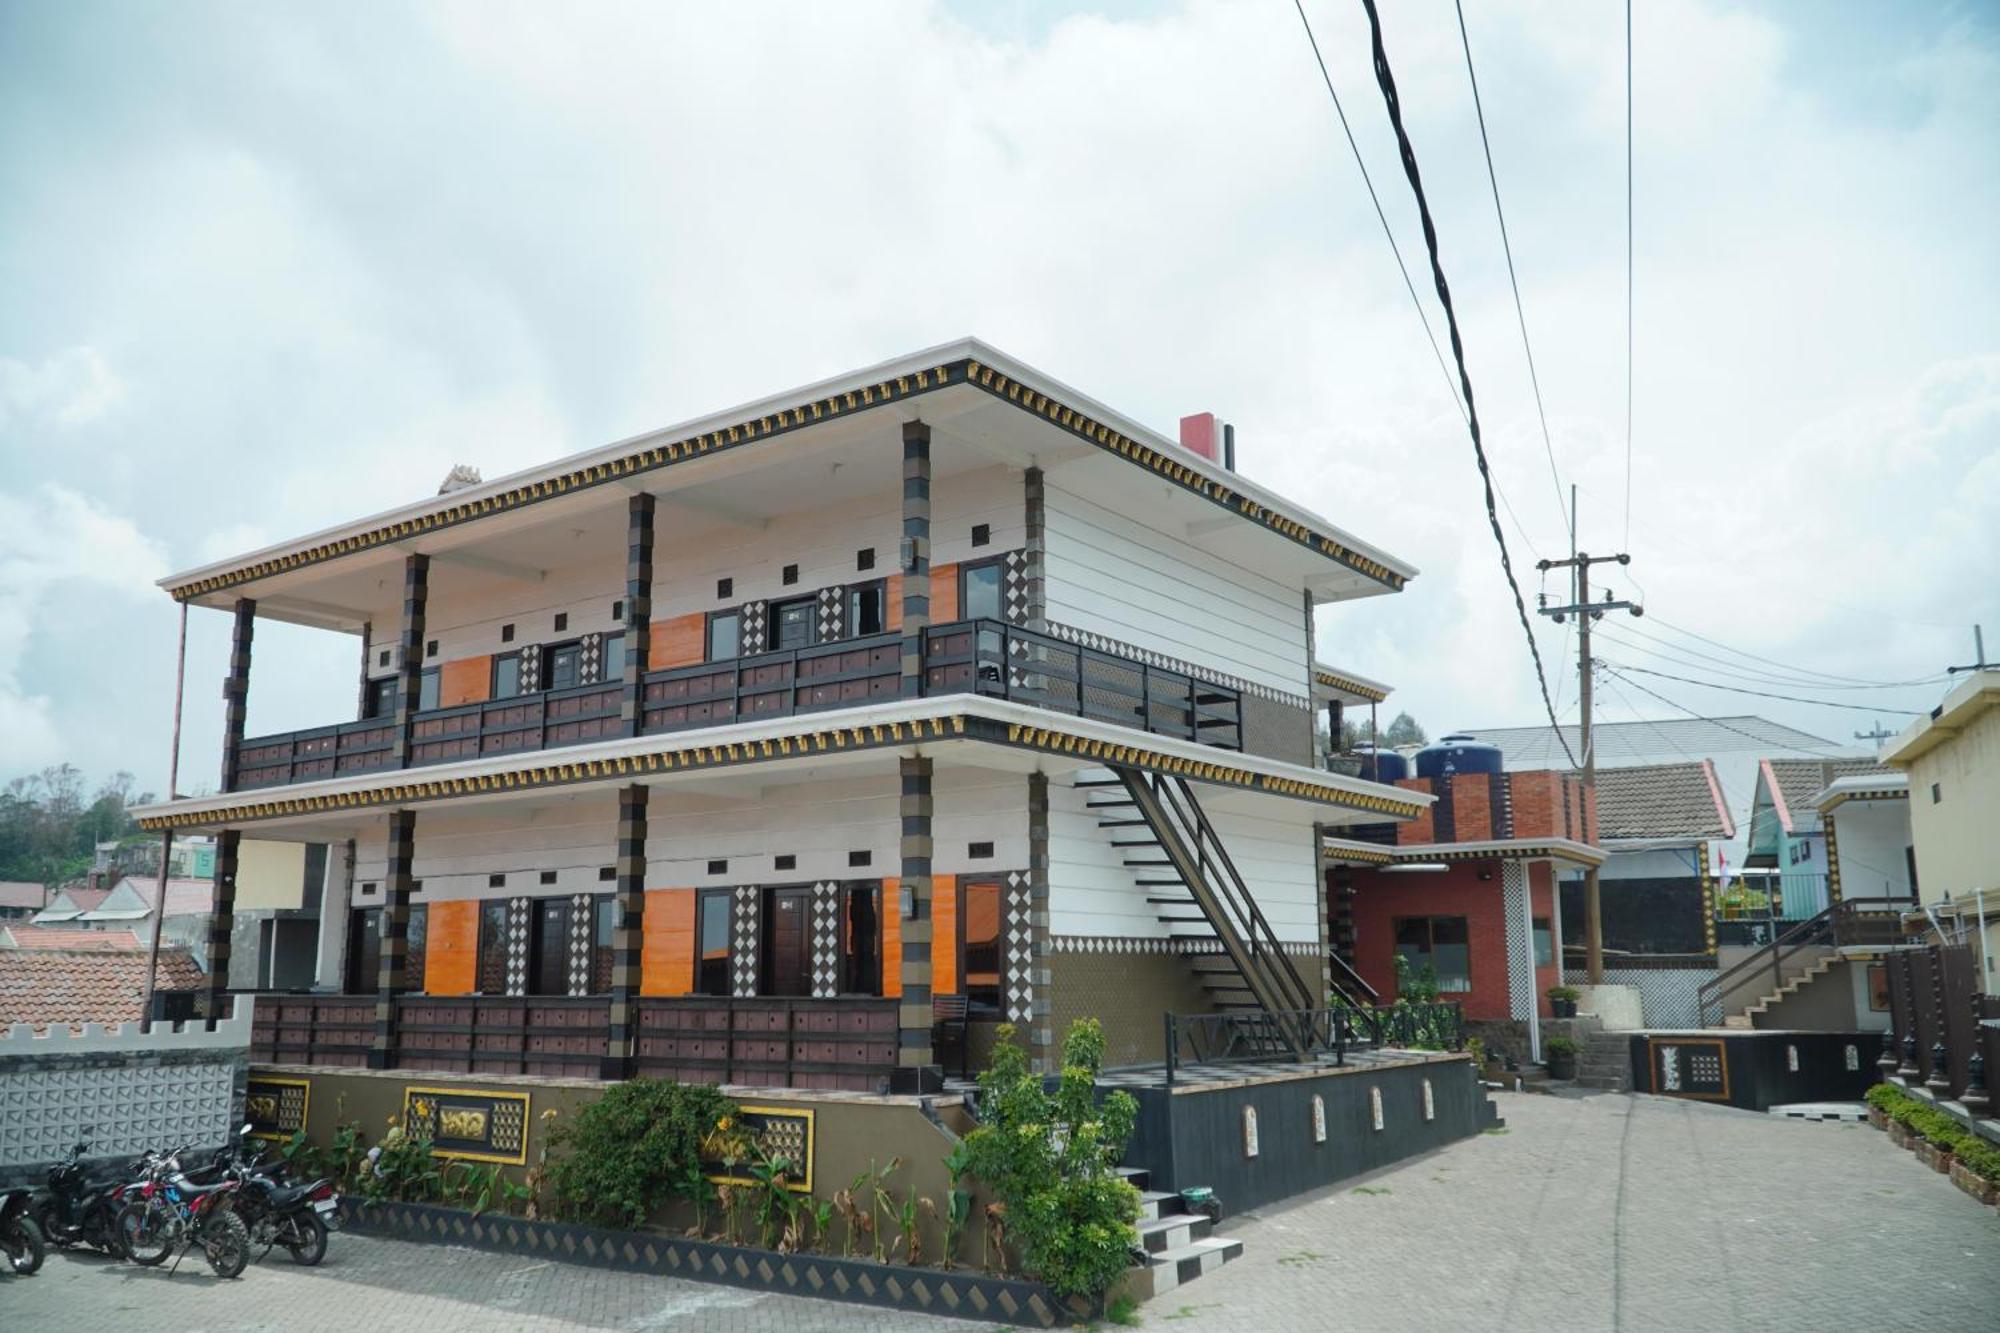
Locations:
(1496, 1129)
(1189, 1311)
(1371, 1189)
(1123, 1312)
(1302, 1258)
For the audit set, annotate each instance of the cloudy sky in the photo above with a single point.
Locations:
(269, 267)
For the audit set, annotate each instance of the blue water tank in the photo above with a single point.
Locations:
(1458, 753)
(1383, 765)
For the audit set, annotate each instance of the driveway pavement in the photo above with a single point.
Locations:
(1587, 1213)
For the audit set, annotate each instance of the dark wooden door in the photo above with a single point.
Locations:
(549, 974)
(787, 942)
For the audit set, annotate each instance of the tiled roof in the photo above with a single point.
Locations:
(62, 937)
(185, 897)
(40, 987)
(1662, 801)
(22, 893)
(86, 900)
(1799, 780)
(1671, 740)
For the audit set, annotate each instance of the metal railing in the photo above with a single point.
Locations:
(1255, 1036)
(1416, 1025)
(1004, 661)
(537, 721)
(1854, 921)
(843, 674)
(316, 753)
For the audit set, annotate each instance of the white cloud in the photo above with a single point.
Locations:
(68, 388)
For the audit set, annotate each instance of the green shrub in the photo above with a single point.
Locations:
(1560, 1046)
(1052, 1158)
(625, 1154)
(1937, 1126)
(1570, 993)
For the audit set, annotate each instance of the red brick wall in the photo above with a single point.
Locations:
(1472, 807)
(1419, 829)
(1379, 899)
(1537, 805)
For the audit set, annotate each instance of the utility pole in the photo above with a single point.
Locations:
(1586, 611)
(1878, 733)
(1978, 651)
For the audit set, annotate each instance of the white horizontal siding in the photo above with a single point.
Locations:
(1271, 843)
(819, 823)
(1111, 575)
(1091, 889)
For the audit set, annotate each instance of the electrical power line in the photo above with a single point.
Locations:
(1507, 248)
(1764, 741)
(1386, 80)
(1687, 657)
(1627, 543)
(1765, 694)
(1767, 661)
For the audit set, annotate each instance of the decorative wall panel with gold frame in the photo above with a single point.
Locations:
(470, 1124)
(276, 1107)
(780, 1131)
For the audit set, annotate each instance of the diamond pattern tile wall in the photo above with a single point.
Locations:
(1520, 940)
(590, 659)
(832, 613)
(826, 940)
(519, 920)
(1019, 932)
(127, 1108)
(756, 617)
(580, 935)
(743, 945)
(531, 667)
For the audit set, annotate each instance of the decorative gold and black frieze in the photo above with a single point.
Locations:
(1333, 680)
(773, 1131)
(785, 421)
(832, 740)
(275, 1108)
(470, 1124)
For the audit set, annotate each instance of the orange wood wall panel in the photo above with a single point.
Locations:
(944, 594)
(944, 935)
(451, 949)
(892, 938)
(469, 680)
(678, 641)
(666, 944)
(892, 602)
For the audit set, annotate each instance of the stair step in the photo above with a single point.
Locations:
(1174, 1232)
(1183, 1264)
(1154, 1204)
(1174, 883)
(1098, 782)
(1121, 823)
(1135, 1176)
(1146, 861)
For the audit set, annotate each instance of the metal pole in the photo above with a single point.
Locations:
(166, 838)
(1593, 919)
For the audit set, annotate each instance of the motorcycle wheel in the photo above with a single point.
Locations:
(52, 1234)
(226, 1241)
(145, 1233)
(311, 1248)
(23, 1242)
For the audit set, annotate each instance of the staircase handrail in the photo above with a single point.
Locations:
(1830, 919)
(1261, 937)
(1344, 968)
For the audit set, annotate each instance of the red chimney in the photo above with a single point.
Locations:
(1200, 434)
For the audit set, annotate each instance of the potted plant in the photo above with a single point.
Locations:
(1559, 1054)
(1562, 1001)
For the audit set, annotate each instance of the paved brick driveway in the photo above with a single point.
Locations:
(1588, 1213)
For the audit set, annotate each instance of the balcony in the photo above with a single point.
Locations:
(985, 657)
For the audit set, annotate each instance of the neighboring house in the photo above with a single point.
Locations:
(191, 857)
(44, 986)
(1785, 855)
(61, 937)
(1865, 825)
(937, 685)
(1952, 762)
(129, 906)
(20, 899)
(1467, 890)
(1734, 745)
(69, 904)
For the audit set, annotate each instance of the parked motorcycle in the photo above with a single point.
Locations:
(276, 1210)
(75, 1207)
(20, 1238)
(167, 1209)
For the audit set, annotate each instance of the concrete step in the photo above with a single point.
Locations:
(1153, 1205)
(1137, 1177)
(1183, 1264)
(1174, 1233)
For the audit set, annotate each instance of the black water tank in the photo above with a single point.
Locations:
(1383, 765)
(1457, 753)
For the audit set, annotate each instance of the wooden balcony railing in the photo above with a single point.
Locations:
(986, 657)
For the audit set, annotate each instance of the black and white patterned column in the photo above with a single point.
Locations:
(221, 921)
(581, 933)
(1034, 580)
(236, 690)
(590, 659)
(638, 616)
(916, 566)
(628, 931)
(755, 620)
(520, 931)
(398, 882)
(913, 1019)
(410, 653)
(1017, 933)
(531, 667)
(1041, 1030)
(825, 940)
(746, 926)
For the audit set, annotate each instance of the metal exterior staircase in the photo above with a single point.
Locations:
(1161, 832)
(1850, 924)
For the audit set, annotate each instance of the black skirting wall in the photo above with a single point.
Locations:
(1190, 1137)
(1756, 1070)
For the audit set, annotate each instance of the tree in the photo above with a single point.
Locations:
(48, 833)
(1404, 731)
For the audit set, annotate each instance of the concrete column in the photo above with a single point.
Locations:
(914, 1017)
(1322, 917)
(629, 934)
(916, 563)
(397, 885)
(330, 971)
(1042, 1047)
(410, 667)
(236, 689)
(638, 615)
(1036, 552)
(221, 922)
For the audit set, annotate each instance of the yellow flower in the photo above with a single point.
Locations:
(722, 1123)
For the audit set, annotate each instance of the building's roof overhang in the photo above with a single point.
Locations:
(1347, 851)
(1346, 686)
(1965, 703)
(953, 380)
(1862, 787)
(918, 725)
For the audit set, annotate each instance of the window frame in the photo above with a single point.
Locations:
(550, 652)
(776, 622)
(1430, 921)
(493, 690)
(605, 675)
(734, 615)
(429, 681)
(966, 571)
(496, 909)
(849, 891)
(538, 946)
(981, 1006)
(705, 901)
(850, 619)
(373, 709)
